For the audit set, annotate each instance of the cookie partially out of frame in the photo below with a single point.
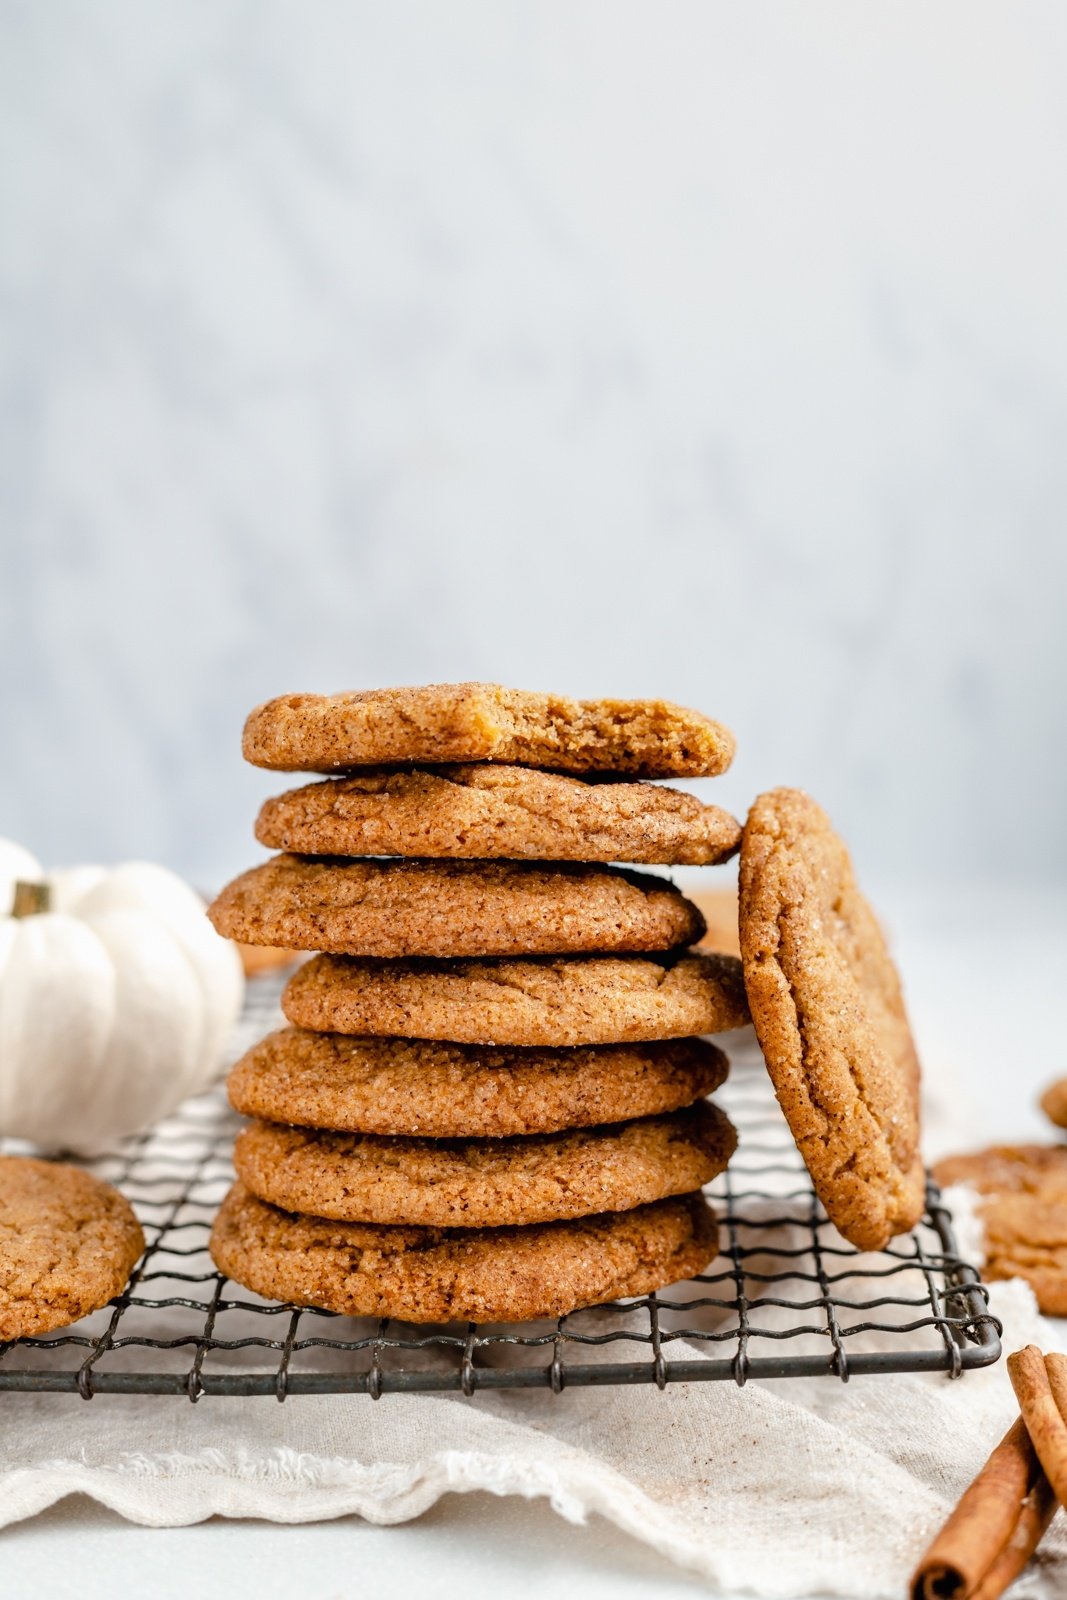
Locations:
(439, 1090)
(484, 1183)
(1023, 1212)
(828, 1012)
(575, 1001)
(487, 812)
(452, 908)
(463, 722)
(1054, 1102)
(68, 1243)
(471, 1274)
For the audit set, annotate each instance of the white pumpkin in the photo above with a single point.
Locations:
(116, 999)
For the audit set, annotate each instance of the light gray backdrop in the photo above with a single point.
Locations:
(709, 350)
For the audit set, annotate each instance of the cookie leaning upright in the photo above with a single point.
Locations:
(826, 1002)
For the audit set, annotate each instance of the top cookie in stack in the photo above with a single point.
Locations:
(461, 722)
(488, 1105)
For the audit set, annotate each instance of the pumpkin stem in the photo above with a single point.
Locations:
(30, 898)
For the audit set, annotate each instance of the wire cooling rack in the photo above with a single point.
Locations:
(787, 1297)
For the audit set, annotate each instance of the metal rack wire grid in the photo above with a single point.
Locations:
(786, 1297)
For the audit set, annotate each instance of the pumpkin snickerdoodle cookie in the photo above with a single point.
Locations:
(441, 1274)
(828, 1011)
(439, 1090)
(487, 812)
(1054, 1102)
(452, 908)
(575, 1001)
(1023, 1212)
(68, 1243)
(463, 722)
(484, 1183)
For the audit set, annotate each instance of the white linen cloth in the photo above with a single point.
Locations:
(779, 1489)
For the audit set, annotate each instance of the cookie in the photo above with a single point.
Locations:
(452, 908)
(718, 907)
(470, 1274)
(68, 1243)
(582, 1000)
(484, 1183)
(447, 1091)
(487, 812)
(1054, 1102)
(1023, 1213)
(828, 1012)
(461, 722)
(256, 959)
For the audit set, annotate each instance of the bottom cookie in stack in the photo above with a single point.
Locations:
(550, 1179)
(474, 1274)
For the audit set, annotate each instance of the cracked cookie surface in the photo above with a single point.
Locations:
(464, 722)
(576, 1001)
(485, 812)
(396, 908)
(1023, 1209)
(439, 1090)
(484, 1183)
(828, 1011)
(476, 1274)
(68, 1243)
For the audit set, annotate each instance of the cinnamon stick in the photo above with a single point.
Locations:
(1035, 1514)
(1044, 1421)
(995, 1528)
(1056, 1368)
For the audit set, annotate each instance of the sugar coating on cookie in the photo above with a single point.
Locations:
(487, 812)
(464, 722)
(441, 1090)
(396, 907)
(484, 1183)
(828, 1011)
(68, 1243)
(579, 1000)
(480, 1275)
(1023, 1211)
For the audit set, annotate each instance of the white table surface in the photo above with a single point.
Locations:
(985, 975)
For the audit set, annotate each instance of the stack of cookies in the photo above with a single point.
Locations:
(490, 1104)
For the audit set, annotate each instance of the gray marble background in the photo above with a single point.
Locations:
(709, 350)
